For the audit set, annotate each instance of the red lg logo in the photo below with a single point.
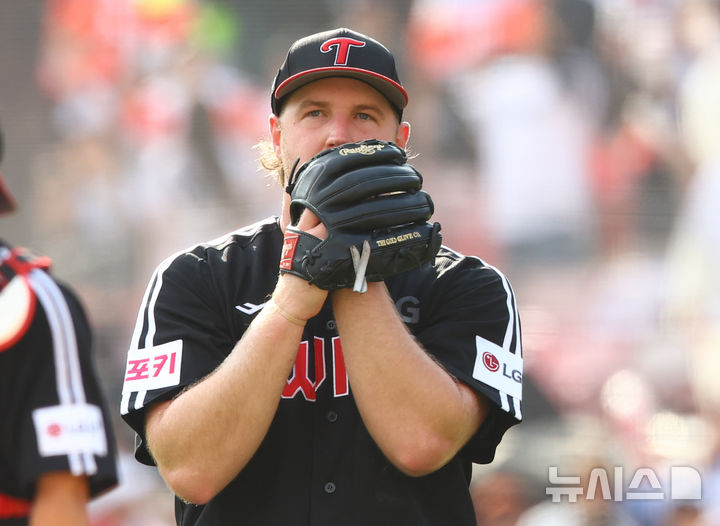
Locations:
(491, 362)
(54, 430)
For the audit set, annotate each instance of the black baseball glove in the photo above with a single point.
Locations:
(375, 213)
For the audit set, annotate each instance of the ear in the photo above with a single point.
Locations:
(403, 134)
(275, 133)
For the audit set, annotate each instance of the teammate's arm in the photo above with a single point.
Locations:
(417, 413)
(60, 499)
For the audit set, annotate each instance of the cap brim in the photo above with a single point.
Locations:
(392, 91)
(7, 203)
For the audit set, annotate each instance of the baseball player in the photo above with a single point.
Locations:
(335, 364)
(57, 449)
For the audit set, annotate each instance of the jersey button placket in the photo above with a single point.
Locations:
(332, 417)
(329, 488)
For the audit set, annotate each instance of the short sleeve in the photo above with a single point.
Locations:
(59, 410)
(472, 328)
(181, 336)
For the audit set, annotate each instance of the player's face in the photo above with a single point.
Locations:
(329, 112)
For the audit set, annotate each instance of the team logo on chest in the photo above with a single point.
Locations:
(301, 382)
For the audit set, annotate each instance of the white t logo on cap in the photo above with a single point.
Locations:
(343, 45)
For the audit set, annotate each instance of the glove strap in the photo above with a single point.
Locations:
(296, 251)
(360, 263)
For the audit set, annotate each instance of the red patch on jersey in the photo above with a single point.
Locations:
(288, 250)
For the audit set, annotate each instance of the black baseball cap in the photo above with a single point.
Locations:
(7, 203)
(339, 53)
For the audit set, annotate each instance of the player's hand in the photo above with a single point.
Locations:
(297, 297)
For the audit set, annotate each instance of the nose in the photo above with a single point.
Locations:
(338, 132)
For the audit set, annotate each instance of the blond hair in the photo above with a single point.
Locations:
(270, 162)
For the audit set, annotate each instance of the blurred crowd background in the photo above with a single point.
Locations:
(574, 144)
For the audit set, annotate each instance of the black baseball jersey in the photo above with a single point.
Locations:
(53, 415)
(318, 465)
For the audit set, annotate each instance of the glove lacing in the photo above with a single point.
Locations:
(292, 178)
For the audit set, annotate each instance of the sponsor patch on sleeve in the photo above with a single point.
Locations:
(498, 368)
(153, 367)
(72, 428)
